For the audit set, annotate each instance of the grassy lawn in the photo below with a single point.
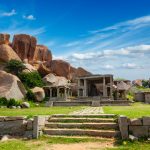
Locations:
(45, 143)
(38, 111)
(134, 111)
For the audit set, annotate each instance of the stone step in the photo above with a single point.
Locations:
(104, 126)
(80, 120)
(83, 132)
(85, 116)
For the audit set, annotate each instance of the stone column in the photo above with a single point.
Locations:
(104, 87)
(85, 88)
(111, 87)
(123, 125)
(78, 87)
(57, 92)
(65, 93)
(50, 93)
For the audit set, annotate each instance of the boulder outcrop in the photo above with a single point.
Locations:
(42, 53)
(43, 70)
(4, 38)
(11, 86)
(7, 53)
(53, 80)
(60, 68)
(25, 46)
(29, 68)
(39, 93)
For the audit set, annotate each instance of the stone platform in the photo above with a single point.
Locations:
(95, 103)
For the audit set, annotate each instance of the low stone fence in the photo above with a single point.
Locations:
(138, 128)
(21, 126)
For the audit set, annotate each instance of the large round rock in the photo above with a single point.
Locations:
(39, 93)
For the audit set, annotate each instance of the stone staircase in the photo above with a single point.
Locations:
(101, 125)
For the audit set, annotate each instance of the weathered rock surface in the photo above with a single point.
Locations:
(60, 68)
(29, 68)
(25, 105)
(137, 82)
(4, 38)
(11, 86)
(74, 73)
(7, 53)
(43, 70)
(63, 68)
(39, 93)
(51, 79)
(42, 53)
(25, 46)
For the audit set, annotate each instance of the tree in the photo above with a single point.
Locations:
(15, 67)
(31, 80)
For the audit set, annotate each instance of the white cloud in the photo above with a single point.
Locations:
(29, 17)
(127, 51)
(131, 66)
(24, 30)
(8, 14)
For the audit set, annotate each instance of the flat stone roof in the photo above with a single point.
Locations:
(95, 76)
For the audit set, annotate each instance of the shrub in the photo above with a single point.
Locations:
(31, 80)
(3, 101)
(11, 102)
(15, 66)
(30, 96)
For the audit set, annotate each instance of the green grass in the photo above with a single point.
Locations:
(45, 142)
(38, 111)
(133, 111)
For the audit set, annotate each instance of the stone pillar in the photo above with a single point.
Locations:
(104, 88)
(50, 93)
(65, 93)
(78, 87)
(38, 124)
(123, 125)
(57, 92)
(111, 87)
(85, 88)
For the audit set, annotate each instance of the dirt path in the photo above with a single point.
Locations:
(77, 146)
(83, 146)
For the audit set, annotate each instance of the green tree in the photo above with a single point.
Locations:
(15, 67)
(31, 80)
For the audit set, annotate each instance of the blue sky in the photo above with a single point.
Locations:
(103, 36)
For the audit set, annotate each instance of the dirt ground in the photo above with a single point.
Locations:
(78, 146)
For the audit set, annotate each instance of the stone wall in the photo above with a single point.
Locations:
(139, 127)
(16, 126)
(22, 127)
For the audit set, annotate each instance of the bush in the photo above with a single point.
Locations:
(30, 96)
(15, 67)
(3, 101)
(31, 80)
(11, 102)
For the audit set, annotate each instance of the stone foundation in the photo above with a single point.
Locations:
(139, 127)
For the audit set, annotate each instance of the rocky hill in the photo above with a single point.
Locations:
(26, 48)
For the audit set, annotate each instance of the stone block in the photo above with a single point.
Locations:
(30, 124)
(38, 125)
(2, 118)
(14, 118)
(49, 104)
(95, 103)
(123, 125)
(28, 134)
(139, 131)
(137, 121)
(146, 120)
(15, 127)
